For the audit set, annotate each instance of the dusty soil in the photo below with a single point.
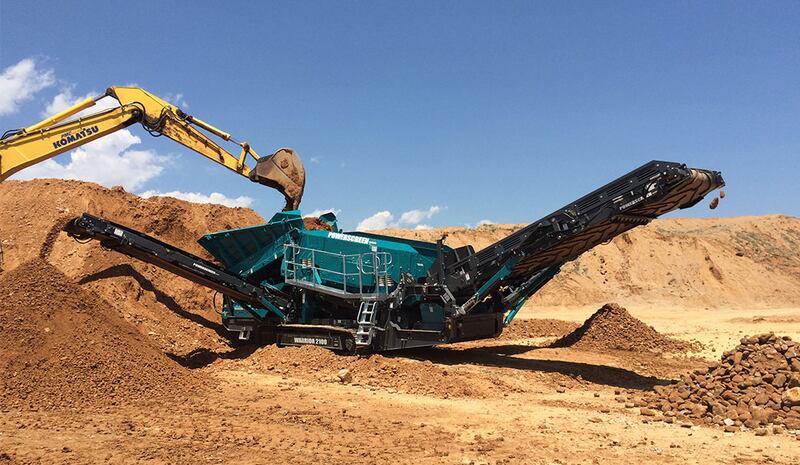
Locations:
(538, 328)
(525, 404)
(61, 347)
(105, 360)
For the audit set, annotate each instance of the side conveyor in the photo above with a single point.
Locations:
(148, 249)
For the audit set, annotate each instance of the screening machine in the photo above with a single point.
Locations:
(353, 291)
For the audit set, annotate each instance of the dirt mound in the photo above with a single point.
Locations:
(538, 327)
(61, 346)
(612, 327)
(177, 315)
(755, 385)
(401, 374)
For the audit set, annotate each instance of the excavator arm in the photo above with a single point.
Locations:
(282, 170)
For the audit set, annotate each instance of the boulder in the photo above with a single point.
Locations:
(791, 397)
(344, 376)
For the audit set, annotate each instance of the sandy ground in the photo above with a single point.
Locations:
(257, 415)
(717, 329)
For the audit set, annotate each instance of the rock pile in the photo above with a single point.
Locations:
(613, 328)
(754, 386)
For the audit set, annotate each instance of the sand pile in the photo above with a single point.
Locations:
(755, 385)
(401, 374)
(612, 327)
(62, 346)
(537, 327)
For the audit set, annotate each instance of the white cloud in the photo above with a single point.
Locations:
(176, 99)
(196, 197)
(422, 227)
(319, 212)
(315, 160)
(107, 161)
(416, 216)
(380, 220)
(61, 102)
(66, 99)
(480, 223)
(20, 82)
(385, 219)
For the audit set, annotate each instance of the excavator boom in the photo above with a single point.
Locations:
(24, 149)
(282, 170)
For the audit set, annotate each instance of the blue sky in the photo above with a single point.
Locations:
(452, 112)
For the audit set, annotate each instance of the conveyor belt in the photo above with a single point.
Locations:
(148, 249)
(634, 199)
(608, 220)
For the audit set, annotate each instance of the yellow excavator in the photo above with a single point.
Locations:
(21, 148)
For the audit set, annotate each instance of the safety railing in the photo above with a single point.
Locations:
(365, 276)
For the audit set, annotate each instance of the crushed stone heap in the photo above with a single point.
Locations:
(755, 385)
(613, 328)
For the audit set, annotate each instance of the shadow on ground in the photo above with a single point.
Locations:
(203, 357)
(502, 356)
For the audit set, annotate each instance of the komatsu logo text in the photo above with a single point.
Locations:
(68, 137)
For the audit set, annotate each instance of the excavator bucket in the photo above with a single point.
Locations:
(284, 171)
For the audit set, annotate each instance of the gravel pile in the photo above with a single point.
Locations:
(754, 386)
